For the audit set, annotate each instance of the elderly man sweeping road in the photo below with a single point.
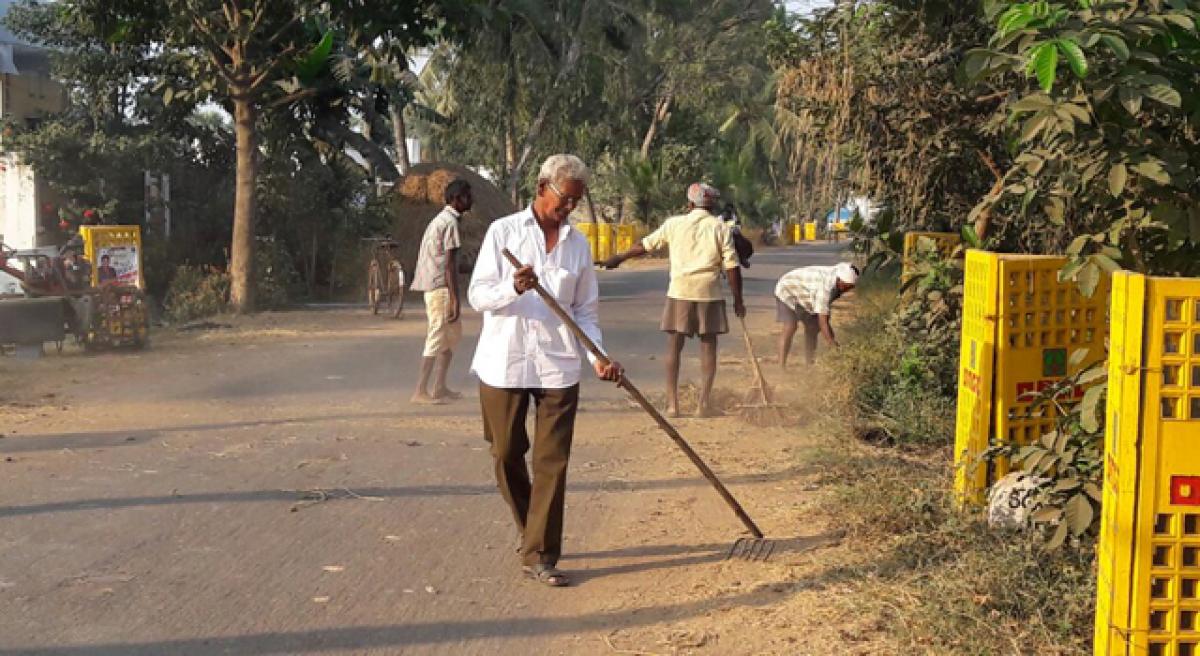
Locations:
(701, 247)
(526, 353)
(806, 295)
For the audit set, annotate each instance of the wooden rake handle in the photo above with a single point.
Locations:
(758, 374)
(637, 395)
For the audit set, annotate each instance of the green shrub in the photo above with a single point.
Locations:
(275, 275)
(899, 368)
(195, 293)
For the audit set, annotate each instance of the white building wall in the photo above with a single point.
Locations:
(18, 204)
(414, 150)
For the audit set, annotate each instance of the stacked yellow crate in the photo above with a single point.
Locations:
(1149, 554)
(1020, 329)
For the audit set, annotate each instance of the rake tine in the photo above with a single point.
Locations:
(751, 549)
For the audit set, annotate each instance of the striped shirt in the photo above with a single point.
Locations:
(441, 236)
(812, 289)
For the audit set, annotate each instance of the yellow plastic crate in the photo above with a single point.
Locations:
(606, 240)
(1148, 598)
(944, 242)
(589, 231)
(810, 231)
(122, 245)
(976, 360)
(626, 237)
(1020, 328)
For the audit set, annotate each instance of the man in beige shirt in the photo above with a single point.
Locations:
(701, 247)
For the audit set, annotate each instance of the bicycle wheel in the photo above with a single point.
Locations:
(397, 279)
(374, 288)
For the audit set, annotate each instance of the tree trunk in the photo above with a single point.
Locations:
(241, 268)
(983, 222)
(510, 161)
(312, 266)
(400, 136)
(367, 133)
(661, 112)
(591, 207)
(510, 128)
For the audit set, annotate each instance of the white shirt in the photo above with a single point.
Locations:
(523, 344)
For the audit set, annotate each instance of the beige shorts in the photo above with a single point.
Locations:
(442, 336)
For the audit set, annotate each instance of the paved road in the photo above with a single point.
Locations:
(275, 494)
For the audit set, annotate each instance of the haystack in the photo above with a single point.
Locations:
(419, 197)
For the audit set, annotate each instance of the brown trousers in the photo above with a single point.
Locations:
(537, 505)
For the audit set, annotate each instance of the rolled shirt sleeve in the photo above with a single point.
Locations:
(491, 286)
(658, 239)
(451, 239)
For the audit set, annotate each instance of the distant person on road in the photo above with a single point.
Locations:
(741, 245)
(437, 275)
(701, 248)
(105, 273)
(805, 295)
(730, 218)
(527, 354)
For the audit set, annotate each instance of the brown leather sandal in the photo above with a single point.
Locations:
(547, 575)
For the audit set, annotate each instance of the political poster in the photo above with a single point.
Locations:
(117, 265)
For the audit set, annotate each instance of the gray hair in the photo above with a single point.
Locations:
(560, 168)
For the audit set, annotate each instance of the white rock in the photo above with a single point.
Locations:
(1009, 500)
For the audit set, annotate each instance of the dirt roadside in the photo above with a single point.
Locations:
(261, 488)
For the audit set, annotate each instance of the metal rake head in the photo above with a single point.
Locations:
(752, 549)
(764, 415)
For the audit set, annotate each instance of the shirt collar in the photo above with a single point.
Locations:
(528, 219)
(449, 209)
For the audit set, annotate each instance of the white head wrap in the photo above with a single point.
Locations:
(846, 273)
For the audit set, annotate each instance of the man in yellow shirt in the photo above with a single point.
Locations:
(701, 247)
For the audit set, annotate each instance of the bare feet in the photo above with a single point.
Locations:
(447, 394)
(673, 412)
(424, 399)
(708, 411)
